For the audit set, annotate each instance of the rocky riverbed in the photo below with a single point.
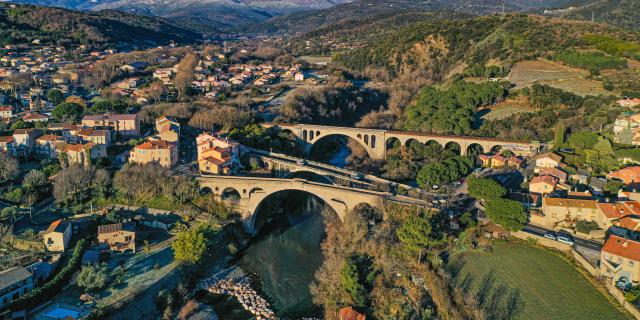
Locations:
(239, 288)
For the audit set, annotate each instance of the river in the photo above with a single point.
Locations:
(285, 255)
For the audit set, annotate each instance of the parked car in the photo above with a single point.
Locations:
(550, 235)
(565, 238)
(357, 176)
(302, 162)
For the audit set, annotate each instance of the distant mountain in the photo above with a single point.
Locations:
(25, 23)
(309, 20)
(216, 13)
(622, 13)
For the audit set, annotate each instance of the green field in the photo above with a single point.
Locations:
(517, 281)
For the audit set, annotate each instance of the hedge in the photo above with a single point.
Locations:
(55, 285)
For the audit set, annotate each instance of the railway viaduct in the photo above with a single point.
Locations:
(376, 141)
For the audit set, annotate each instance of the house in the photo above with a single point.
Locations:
(57, 236)
(485, 159)
(627, 227)
(6, 112)
(81, 153)
(168, 129)
(629, 102)
(347, 313)
(164, 121)
(299, 76)
(616, 210)
(543, 185)
(163, 152)
(547, 160)
(124, 124)
(620, 260)
(498, 161)
(24, 142)
(14, 283)
(211, 165)
(7, 145)
(515, 162)
(557, 212)
(585, 195)
(119, 237)
(35, 117)
(554, 172)
(630, 176)
(626, 129)
(46, 146)
(94, 135)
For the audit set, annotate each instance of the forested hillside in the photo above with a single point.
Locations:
(622, 13)
(441, 45)
(25, 23)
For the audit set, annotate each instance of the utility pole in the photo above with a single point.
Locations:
(593, 15)
(503, 14)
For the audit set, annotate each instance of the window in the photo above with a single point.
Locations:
(631, 263)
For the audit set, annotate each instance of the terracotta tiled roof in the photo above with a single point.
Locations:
(622, 247)
(554, 172)
(544, 179)
(156, 144)
(48, 137)
(628, 222)
(57, 226)
(348, 313)
(569, 203)
(214, 160)
(6, 139)
(110, 117)
(34, 116)
(6, 108)
(619, 209)
(552, 156)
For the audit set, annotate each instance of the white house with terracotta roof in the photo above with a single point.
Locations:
(543, 184)
(620, 259)
(124, 124)
(547, 160)
(57, 236)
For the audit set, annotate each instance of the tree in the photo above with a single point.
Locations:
(34, 186)
(485, 188)
(356, 275)
(55, 96)
(508, 213)
(67, 112)
(613, 186)
(92, 277)
(582, 140)
(77, 100)
(416, 234)
(8, 167)
(191, 245)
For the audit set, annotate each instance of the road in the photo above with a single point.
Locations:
(579, 242)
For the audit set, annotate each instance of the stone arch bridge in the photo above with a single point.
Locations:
(252, 191)
(376, 141)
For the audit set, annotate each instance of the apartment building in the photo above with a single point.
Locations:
(163, 152)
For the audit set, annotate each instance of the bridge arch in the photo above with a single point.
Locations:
(495, 149)
(474, 149)
(393, 142)
(453, 146)
(255, 222)
(328, 137)
(411, 141)
(230, 193)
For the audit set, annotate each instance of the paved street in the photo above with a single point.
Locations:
(579, 242)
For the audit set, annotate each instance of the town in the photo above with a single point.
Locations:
(300, 177)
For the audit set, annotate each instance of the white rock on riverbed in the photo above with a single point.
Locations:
(248, 297)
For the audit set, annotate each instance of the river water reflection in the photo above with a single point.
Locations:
(285, 255)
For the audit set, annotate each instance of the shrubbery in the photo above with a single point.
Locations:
(53, 286)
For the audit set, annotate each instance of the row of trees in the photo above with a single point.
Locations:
(508, 213)
(437, 173)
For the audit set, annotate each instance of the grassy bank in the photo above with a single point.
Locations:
(530, 283)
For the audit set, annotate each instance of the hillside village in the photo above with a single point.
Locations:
(180, 181)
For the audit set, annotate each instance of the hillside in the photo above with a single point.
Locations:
(442, 45)
(199, 13)
(25, 23)
(352, 11)
(622, 13)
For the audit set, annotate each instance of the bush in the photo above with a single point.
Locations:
(586, 226)
(55, 285)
